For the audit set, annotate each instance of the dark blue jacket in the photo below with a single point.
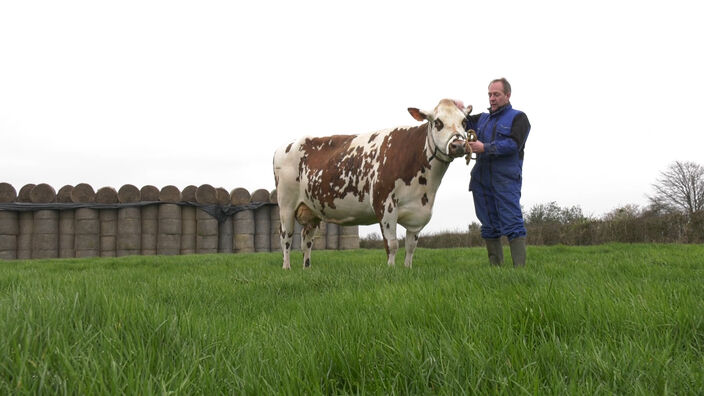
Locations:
(504, 133)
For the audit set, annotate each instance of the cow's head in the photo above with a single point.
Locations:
(446, 131)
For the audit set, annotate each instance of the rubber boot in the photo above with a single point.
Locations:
(518, 251)
(496, 252)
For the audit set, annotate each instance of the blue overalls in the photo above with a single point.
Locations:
(497, 176)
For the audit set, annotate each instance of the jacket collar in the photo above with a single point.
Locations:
(500, 109)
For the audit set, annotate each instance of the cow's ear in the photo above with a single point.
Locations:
(419, 115)
(468, 110)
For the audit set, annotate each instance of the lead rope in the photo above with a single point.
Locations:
(471, 137)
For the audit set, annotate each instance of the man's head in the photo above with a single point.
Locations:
(499, 93)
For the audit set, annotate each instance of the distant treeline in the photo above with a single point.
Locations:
(550, 224)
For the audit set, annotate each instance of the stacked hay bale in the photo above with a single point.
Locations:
(262, 222)
(129, 222)
(225, 228)
(149, 220)
(332, 236)
(349, 238)
(87, 222)
(108, 222)
(188, 221)
(320, 239)
(67, 227)
(169, 237)
(206, 225)
(25, 223)
(275, 234)
(9, 224)
(243, 222)
(45, 227)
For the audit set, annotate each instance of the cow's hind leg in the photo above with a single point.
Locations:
(411, 243)
(307, 236)
(388, 215)
(286, 235)
(310, 225)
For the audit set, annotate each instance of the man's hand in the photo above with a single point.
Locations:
(477, 147)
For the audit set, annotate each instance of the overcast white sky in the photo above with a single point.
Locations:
(184, 92)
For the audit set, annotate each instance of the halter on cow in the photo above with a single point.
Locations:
(388, 177)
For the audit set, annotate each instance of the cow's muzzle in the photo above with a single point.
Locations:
(457, 148)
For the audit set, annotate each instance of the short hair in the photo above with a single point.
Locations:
(505, 83)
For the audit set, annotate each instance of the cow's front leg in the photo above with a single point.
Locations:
(307, 236)
(411, 243)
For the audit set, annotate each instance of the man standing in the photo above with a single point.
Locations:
(496, 177)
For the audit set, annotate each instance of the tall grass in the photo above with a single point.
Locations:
(618, 318)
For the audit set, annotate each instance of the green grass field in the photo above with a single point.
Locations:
(624, 319)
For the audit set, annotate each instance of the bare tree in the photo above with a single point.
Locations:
(681, 187)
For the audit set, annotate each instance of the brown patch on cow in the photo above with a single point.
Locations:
(329, 163)
(424, 200)
(405, 154)
(309, 244)
(422, 180)
(288, 148)
(372, 137)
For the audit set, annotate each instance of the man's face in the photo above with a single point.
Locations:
(497, 98)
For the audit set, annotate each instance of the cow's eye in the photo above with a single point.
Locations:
(438, 125)
(465, 124)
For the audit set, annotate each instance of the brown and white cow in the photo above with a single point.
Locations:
(388, 177)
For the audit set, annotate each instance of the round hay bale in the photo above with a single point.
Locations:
(225, 235)
(42, 193)
(260, 195)
(273, 196)
(8, 223)
(8, 247)
(296, 242)
(170, 194)
(24, 235)
(23, 194)
(206, 194)
(189, 193)
(9, 228)
(189, 224)
(240, 196)
(87, 226)
(348, 238)
(7, 193)
(150, 225)
(129, 194)
(149, 193)
(275, 228)
(67, 227)
(106, 195)
(64, 194)
(332, 236)
(45, 232)
(206, 232)
(243, 231)
(169, 236)
(262, 228)
(129, 231)
(320, 238)
(25, 222)
(223, 197)
(108, 230)
(82, 193)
